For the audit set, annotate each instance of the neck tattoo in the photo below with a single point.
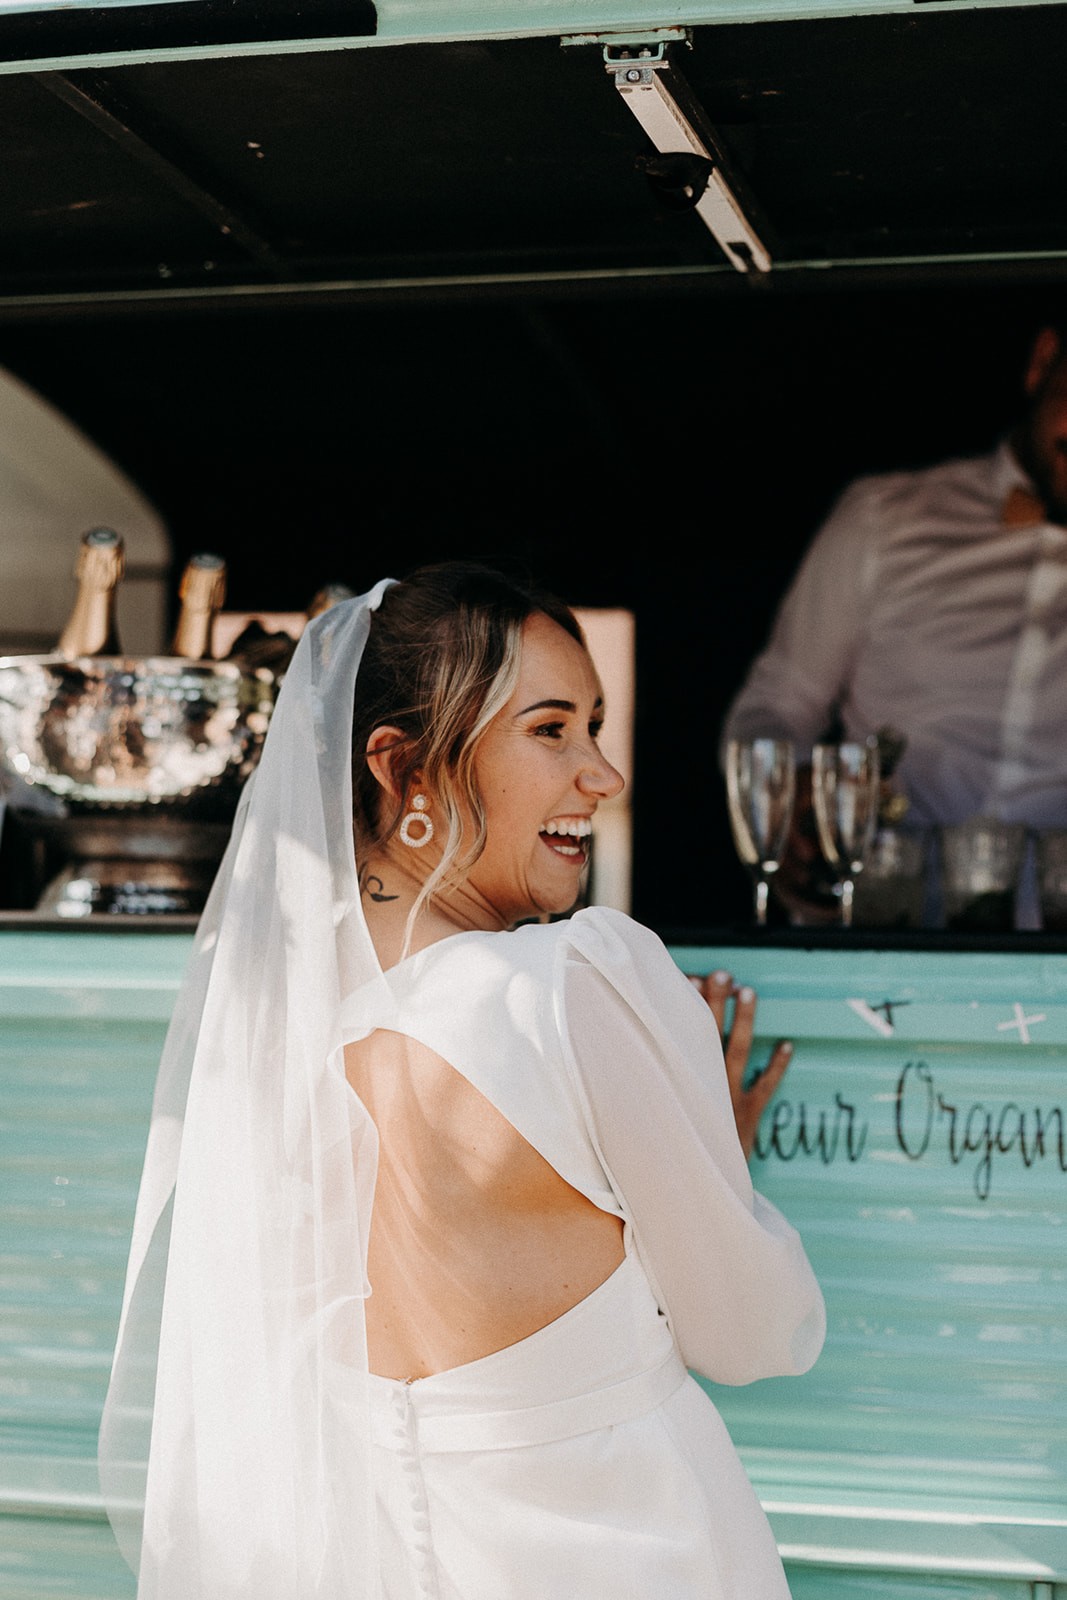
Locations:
(378, 893)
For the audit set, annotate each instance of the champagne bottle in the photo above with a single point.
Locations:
(91, 628)
(201, 591)
(328, 596)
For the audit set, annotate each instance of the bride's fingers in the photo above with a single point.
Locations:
(717, 988)
(751, 1102)
(739, 1043)
(763, 1088)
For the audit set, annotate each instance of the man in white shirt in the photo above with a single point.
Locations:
(935, 603)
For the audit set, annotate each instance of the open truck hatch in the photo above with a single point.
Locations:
(190, 151)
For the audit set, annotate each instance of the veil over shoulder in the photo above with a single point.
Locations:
(232, 1459)
(239, 1429)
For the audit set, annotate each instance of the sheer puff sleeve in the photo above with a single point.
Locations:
(730, 1272)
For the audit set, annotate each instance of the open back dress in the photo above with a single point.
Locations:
(247, 1452)
(584, 1460)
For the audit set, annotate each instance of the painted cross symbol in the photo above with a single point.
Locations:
(882, 1025)
(1022, 1022)
(889, 1006)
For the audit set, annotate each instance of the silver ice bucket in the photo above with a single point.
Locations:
(124, 758)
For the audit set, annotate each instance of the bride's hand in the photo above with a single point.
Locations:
(749, 1099)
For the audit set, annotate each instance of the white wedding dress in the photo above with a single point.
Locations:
(584, 1461)
(246, 1451)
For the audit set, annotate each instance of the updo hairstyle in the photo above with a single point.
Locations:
(441, 660)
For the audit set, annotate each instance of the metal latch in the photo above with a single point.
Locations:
(672, 118)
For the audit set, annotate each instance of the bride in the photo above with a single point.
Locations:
(444, 1200)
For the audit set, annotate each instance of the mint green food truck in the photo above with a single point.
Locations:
(594, 262)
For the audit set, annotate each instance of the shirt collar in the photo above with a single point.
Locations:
(1008, 472)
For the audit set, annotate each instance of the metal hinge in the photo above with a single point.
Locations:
(690, 169)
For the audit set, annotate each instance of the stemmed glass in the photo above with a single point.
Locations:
(760, 789)
(845, 781)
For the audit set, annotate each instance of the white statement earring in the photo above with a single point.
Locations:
(419, 803)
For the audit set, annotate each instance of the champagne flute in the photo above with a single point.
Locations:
(760, 788)
(845, 788)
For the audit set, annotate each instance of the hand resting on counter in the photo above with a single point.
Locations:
(749, 1094)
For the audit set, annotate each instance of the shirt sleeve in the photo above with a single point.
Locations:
(796, 682)
(730, 1273)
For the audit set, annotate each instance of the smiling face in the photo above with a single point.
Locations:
(541, 775)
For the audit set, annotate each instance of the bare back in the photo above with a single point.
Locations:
(476, 1241)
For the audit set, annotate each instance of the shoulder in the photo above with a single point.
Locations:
(625, 1005)
(480, 962)
(526, 968)
(602, 929)
(479, 993)
(889, 496)
(606, 930)
(630, 956)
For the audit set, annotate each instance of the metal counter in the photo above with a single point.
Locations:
(918, 1143)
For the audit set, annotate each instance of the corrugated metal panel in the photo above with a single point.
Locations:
(44, 1559)
(922, 1153)
(923, 1458)
(82, 1021)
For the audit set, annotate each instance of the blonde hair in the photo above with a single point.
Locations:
(441, 661)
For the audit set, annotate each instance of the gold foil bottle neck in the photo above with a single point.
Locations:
(202, 592)
(91, 628)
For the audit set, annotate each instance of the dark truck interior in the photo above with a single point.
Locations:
(340, 306)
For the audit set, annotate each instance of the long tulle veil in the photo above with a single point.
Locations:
(234, 1451)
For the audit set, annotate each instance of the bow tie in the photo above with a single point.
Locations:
(1022, 508)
